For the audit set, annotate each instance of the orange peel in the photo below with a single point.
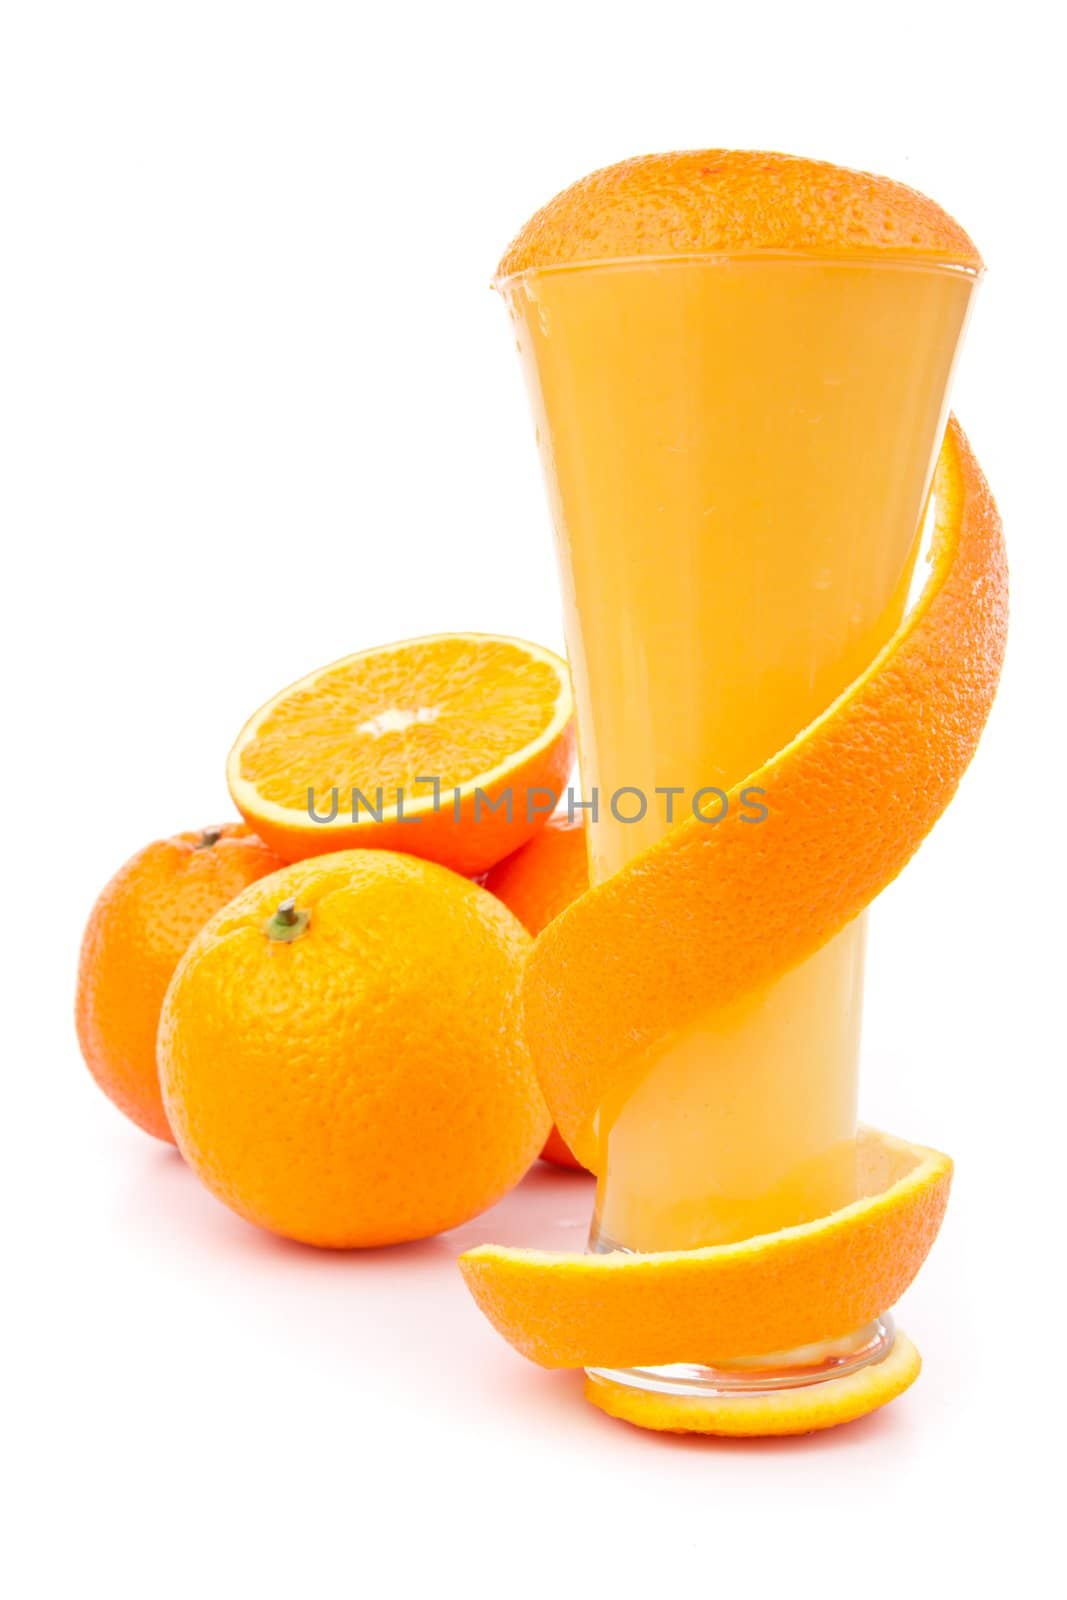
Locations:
(536, 883)
(849, 800)
(780, 1412)
(801, 1285)
(736, 202)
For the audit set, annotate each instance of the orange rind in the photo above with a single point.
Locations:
(736, 202)
(849, 801)
(537, 883)
(817, 1281)
(453, 747)
(774, 1413)
(340, 1053)
(140, 927)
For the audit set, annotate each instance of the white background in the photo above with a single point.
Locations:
(261, 409)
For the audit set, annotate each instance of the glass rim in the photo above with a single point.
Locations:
(874, 258)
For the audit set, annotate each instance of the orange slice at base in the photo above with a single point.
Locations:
(819, 1280)
(785, 1411)
(450, 747)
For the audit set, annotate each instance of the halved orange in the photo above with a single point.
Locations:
(451, 747)
(817, 1281)
(731, 203)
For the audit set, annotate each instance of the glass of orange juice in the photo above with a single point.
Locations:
(738, 448)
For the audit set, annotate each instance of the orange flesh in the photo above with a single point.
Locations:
(738, 455)
(438, 708)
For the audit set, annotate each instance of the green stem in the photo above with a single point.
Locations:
(287, 923)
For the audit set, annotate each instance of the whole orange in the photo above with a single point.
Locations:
(538, 882)
(138, 931)
(340, 1051)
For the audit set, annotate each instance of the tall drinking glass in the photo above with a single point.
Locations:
(738, 452)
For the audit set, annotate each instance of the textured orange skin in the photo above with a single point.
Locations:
(712, 912)
(540, 880)
(801, 1285)
(559, 1153)
(537, 883)
(366, 1083)
(138, 931)
(790, 1411)
(466, 845)
(709, 202)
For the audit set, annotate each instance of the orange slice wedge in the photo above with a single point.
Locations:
(450, 747)
(817, 1281)
(849, 801)
(786, 1411)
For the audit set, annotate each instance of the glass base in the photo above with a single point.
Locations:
(758, 1374)
(767, 1374)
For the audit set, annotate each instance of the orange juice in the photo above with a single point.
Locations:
(738, 451)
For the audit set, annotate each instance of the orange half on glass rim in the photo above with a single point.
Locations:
(849, 801)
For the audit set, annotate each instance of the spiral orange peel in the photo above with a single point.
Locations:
(816, 1281)
(710, 913)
